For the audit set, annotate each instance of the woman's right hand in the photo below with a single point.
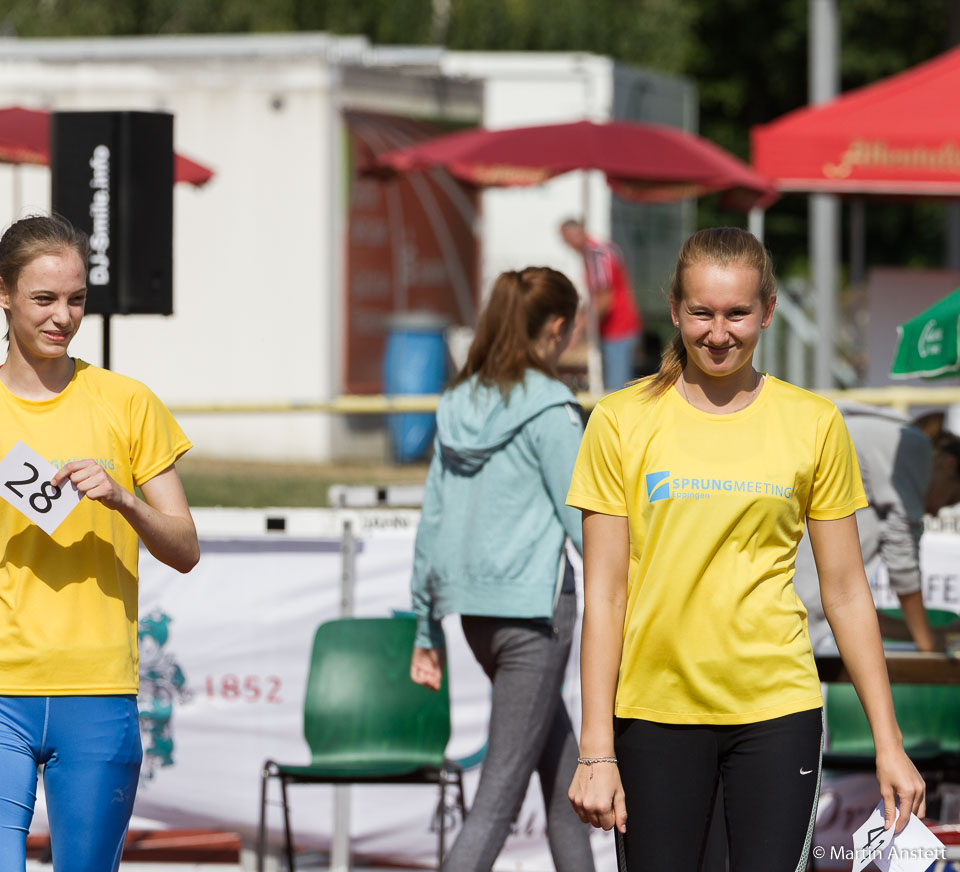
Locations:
(597, 796)
(426, 667)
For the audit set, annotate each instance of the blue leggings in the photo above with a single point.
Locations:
(90, 749)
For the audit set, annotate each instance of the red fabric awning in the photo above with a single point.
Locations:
(25, 138)
(648, 163)
(897, 136)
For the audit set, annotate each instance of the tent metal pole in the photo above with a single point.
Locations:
(824, 228)
(857, 216)
(952, 253)
(824, 211)
(858, 242)
(755, 222)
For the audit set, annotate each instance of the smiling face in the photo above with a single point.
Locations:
(720, 315)
(45, 309)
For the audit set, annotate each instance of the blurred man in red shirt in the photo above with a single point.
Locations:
(611, 298)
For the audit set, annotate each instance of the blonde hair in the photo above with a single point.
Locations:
(720, 246)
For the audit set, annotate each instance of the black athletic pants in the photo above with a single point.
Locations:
(770, 772)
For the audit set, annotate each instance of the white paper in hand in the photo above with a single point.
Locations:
(25, 484)
(913, 850)
(871, 843)
(916, 848)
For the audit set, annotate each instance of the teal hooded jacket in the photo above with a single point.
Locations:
(494, 519)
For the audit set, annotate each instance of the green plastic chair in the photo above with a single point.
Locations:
(366, 722)
(928, 716)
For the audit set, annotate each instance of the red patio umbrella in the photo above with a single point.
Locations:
(25, 138)
(647, 163)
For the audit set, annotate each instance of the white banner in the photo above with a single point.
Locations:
(940, 571)
(224, 658)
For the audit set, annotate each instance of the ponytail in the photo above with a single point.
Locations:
(672, 362)
(516, 311)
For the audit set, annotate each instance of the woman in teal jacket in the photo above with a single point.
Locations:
(490, 547)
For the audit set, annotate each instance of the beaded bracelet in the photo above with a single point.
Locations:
(589, 761)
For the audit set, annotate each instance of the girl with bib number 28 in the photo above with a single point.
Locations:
(696, 666)
(68, 600)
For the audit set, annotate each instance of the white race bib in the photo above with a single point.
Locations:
(25, 484)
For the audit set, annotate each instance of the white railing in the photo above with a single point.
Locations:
(788, 347)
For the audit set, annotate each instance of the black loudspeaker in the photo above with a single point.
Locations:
(112, 176)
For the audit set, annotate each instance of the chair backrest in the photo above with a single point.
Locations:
(362, 714)
(928, 715)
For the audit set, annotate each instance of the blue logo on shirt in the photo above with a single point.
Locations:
(658, 486)
(661, 487)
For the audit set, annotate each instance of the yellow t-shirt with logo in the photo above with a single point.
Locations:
(713, 631)
(68, 603)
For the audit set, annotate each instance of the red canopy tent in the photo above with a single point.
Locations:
(25, 139)
(898, 136)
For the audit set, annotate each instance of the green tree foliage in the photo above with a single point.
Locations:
(388, 22)
(56, 18)
(653, 33)
(748, 58)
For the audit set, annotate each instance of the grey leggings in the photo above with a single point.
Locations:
(529, 729)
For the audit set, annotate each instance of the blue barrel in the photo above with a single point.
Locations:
(415, 362)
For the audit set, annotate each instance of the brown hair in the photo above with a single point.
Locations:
(931, 423)
(948, 443)
(722, 246)
(519, 305)
(35, 236)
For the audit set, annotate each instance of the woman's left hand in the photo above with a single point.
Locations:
(93, 482)
(899, 779)
(426, 667)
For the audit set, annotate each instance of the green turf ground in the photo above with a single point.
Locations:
(255, 485)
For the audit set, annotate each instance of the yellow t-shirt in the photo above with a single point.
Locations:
(713, 632)
(68, 603)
